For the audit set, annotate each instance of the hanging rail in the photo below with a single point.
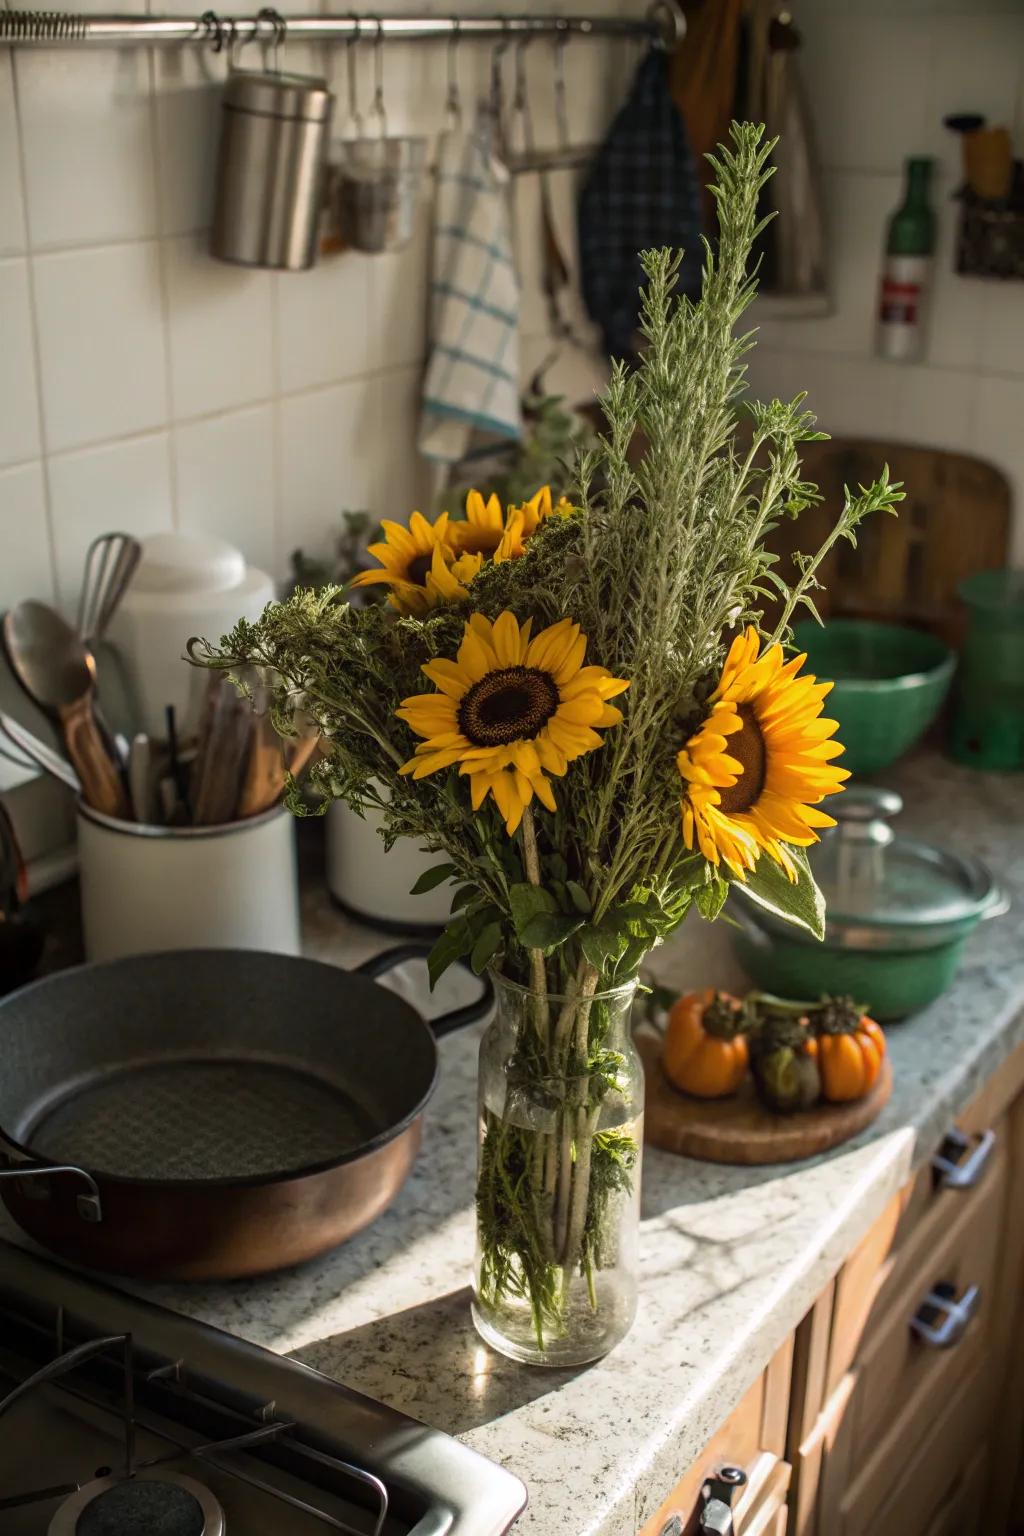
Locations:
(60, 28)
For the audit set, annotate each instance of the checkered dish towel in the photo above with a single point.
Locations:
(472, 377)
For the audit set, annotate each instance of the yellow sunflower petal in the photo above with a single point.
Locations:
(759, 763)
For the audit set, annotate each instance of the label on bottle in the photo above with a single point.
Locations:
(901, 306)
(900, 301)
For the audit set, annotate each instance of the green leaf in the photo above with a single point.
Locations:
(603, 945)
(485, 947)
(432, 877)
(578, 896)
(456, 940)
(711, 898)
(463, 896)
(528, 902)
(799, 902)
(548, 929)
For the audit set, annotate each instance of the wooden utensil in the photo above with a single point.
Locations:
(58, 673)
(264, 776)
(221, 755)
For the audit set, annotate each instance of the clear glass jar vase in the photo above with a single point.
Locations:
(558, 1183)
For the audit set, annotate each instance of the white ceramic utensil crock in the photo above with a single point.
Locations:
(153, 888)
(374, 885)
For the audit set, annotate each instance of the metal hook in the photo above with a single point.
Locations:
(497, 54)
(279, 26)
(453, 99)
(520, 103)
(378, 78)
(355, 117)
(214, 29)
(670, 22)
(561, 99)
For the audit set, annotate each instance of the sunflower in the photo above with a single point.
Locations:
(483, 529)
(407, 557)
(523, 521)
(448, 583)
(511, 709)
(760, 762)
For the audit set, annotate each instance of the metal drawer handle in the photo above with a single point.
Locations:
(716, 1496)
(942, 1318)
(954, 1170)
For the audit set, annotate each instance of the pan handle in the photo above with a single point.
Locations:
(445, 1023)
(90, 1207)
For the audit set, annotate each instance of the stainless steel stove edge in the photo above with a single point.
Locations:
(466, 1494)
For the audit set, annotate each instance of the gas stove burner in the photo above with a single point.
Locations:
(148, 1504)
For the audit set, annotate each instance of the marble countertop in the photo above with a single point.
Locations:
(731, 1258)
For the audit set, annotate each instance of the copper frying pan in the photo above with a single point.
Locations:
(209, 1114)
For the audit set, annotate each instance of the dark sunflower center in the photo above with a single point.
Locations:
(478, 541)
(417, 569)
(510, 705)
(747, 747)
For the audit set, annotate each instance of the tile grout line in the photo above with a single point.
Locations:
(164, 286)
(37, 351)
(276, 428)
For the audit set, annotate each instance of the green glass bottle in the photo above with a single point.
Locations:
(906, 272)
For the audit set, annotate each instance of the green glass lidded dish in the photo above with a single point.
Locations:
(899, 915)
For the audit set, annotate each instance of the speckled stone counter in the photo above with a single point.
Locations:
(732, 1258)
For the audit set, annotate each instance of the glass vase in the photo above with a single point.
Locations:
(558, 1182)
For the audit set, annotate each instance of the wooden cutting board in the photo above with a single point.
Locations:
(954, 520)
(740, 1129)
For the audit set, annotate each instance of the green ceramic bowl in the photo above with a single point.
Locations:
(890, 684)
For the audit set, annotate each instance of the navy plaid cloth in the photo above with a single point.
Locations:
(642, 191)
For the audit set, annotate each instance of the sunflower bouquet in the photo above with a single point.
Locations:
(581, 707)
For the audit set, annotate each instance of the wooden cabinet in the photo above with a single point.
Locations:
(898, 1407)
(908, 1362)
(753, 1438)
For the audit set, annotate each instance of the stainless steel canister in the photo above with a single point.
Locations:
(274, 133)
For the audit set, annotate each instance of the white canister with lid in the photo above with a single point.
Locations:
(185, 585)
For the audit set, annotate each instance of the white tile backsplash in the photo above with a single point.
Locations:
(398, 302)
(323, 321)
(101, 343)
(936, 408)
(868, 85)
(224, 467)
(976, 67)
(12, 217)
(219, 330)
(189, 86)
(87, 144)
(327, 461)
(179, 391)
(123, 485)
(19, 401)
(26, 569)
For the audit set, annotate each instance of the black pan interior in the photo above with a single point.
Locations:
(219, 1065)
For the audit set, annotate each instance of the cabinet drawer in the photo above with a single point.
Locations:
(887, 1404)
(961, 1509)
(921, 1502)
(753, 1438)
(902, 1493)
(901, 1244)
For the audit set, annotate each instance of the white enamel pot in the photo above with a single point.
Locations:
(147, 888)
(374, 885)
